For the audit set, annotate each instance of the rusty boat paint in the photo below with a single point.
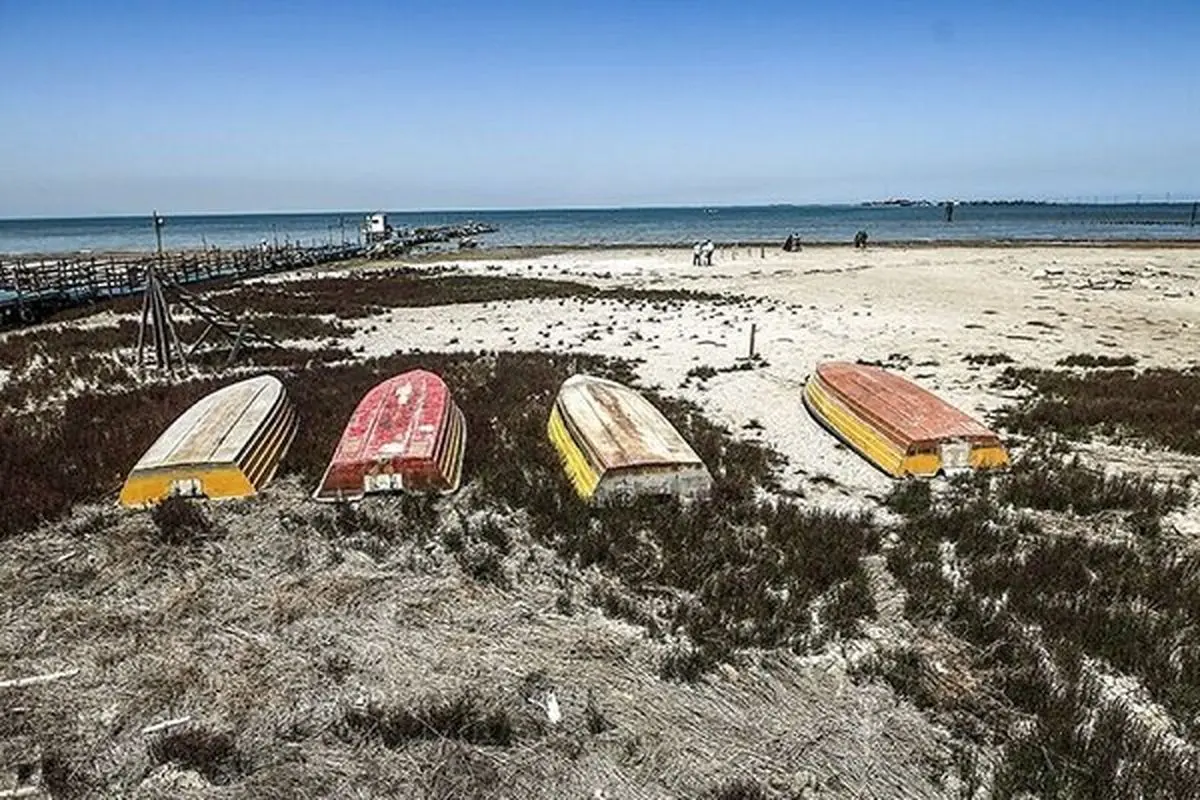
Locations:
(406, 435)
(900, 427)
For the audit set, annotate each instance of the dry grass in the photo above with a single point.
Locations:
(739, 571)
(335, 652)
(394, 648)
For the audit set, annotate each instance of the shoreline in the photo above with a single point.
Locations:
(507, 251)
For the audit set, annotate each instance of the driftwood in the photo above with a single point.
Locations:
(23, 791)
(162, 726)
(34, 680)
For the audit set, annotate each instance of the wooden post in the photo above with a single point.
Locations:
(753, 330)
(16, 279)
(142, 326)
(174, 340)
(157, 314)
(237, 344)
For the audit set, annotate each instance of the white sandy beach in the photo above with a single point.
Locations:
(920, 310)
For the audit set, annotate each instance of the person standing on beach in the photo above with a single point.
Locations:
(696, 255)
(708, 248)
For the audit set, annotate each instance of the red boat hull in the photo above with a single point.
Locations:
(406, 434)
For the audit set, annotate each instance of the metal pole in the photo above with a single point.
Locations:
(158, 223)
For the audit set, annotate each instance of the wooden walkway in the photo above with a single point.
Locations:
(32, 289)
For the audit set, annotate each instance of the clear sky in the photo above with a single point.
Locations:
(256, 105)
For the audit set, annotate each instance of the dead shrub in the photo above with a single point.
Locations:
(214, 755)
(988, 359)
(1047, 483)
(465, 716)
(597, 722)
(1089, 361)
(738, 789)
(180, 521)
(484, 563)
(688, 664)
(1152, 405)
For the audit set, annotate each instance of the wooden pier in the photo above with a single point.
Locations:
(33, 288)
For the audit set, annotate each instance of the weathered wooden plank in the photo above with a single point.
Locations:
(34, 680)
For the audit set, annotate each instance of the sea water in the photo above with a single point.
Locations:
(657, 226)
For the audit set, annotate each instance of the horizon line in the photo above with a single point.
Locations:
(650, 207)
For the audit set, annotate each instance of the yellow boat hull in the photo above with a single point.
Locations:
(882, 451)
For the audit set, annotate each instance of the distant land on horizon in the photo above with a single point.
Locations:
(891, 202)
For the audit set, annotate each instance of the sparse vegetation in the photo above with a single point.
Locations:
(465, 716)
(1032, 591)
(1055, 484)
(1089, 361)
(988, 359)
(376, 290)
(180, 521)
(1049, 607)
(1153, 405)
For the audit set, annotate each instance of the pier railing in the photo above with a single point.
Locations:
(34, 287)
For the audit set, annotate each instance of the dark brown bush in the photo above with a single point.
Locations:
(1091, 361)
(214, 755)
(103, 441)
(372, 292)
(988, 359)
(465, 716)
(180, 521)
(1154, 405)
(1131, 606)
(1042, 482)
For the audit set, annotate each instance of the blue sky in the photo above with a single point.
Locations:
(117, 107)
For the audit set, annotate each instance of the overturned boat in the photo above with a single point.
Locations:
(406, 434)
(228, 444)
(613, 443)
(895, 424)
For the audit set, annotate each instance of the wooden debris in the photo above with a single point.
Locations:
(158, 727)
(34, 680)
(24, 791)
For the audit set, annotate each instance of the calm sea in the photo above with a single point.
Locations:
(628, 226)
